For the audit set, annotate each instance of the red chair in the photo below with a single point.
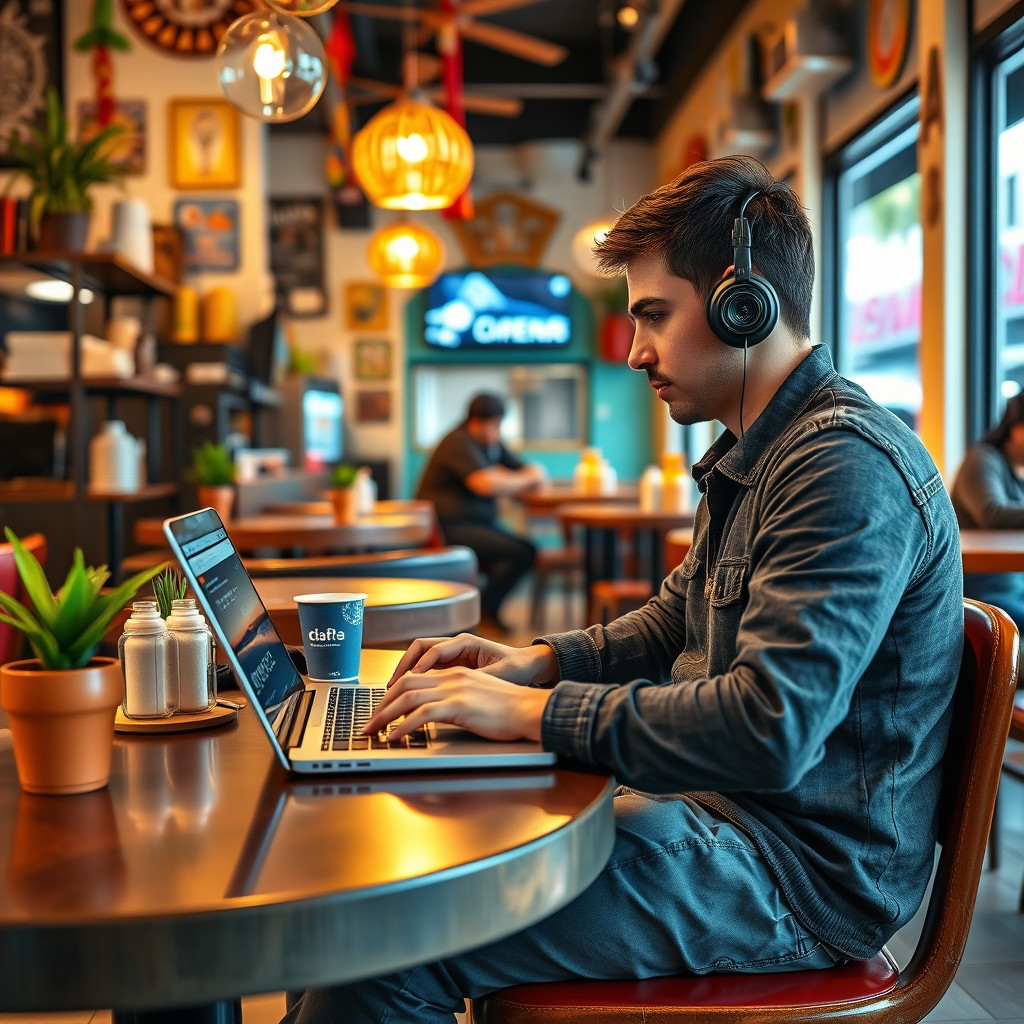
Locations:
(875, 991)
(11, 640)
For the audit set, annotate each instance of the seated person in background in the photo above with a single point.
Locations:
(988, 494)
(777, 715)
(469, 468)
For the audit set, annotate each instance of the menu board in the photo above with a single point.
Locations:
(296, 229)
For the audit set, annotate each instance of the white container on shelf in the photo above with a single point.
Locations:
(366, 492)
(650, 489)
(114, 459)
(132, 233)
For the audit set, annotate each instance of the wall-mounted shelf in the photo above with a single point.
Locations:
(100, 272)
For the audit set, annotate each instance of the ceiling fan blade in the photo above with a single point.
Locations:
(478, 8)
(496, 106)
(528, 47)
(381, 11)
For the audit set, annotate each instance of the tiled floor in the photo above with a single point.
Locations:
(989, 984)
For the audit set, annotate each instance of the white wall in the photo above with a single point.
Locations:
(543, 172)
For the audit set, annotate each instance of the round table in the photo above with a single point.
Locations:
(602, 524)
(203, 873)
(323, 507)
(992, 550)
(397, 611)
(388, 530)
(545, 499)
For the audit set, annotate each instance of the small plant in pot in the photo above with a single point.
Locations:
(343, 493)
(61, 703)
(61, 171)
(213, 473)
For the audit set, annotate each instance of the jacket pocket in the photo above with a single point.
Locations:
(727, 583)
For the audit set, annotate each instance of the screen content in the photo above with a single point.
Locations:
(238, 611)
(477, 310)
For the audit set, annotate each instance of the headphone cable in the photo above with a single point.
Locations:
(743, 385)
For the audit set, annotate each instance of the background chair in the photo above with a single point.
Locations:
(874, 991)
(12, 642)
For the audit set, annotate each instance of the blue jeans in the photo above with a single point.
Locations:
(684, 891)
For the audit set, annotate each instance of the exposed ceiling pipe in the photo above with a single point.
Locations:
(627, 78)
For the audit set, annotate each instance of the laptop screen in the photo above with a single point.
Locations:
(214, 568)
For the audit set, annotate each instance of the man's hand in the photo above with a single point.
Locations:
(534, 664)
(474, 700)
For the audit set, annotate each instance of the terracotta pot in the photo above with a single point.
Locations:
(345, 505)
(62, 723)
(220, 499)
(63, 232)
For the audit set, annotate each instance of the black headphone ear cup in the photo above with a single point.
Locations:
(743, 312)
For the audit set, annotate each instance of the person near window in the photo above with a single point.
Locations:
(988, 494)
(464, 476)
(777, 714)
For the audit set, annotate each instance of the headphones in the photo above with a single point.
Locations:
(743, 309)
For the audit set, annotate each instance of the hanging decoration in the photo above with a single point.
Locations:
(406, 255)
(272, 67)
(101, 38)
(341, 51)
(449, 46)
(412, 156)
(303, 8)
(184, 29)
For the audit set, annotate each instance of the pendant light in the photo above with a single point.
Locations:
(583, 243)
(412, 156)
(406, 255)
(303, 8)
(272, 68)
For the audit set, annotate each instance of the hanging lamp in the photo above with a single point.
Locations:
(273, 68)
(406, 256)
(583, 243)
(412, 156)
(303, 8)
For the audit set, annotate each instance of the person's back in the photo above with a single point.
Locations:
(443, 481)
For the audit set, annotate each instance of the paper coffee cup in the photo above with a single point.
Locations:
(332, 635)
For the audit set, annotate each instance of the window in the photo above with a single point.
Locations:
(876, 304)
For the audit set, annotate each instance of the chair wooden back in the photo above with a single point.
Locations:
(12, 640)
(861, 992)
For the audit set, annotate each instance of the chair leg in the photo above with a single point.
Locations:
(537, 600)
(993, 839)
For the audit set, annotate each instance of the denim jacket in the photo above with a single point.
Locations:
(795, 672)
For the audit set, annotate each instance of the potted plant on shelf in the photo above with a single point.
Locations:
(61, 170)
(343, 493)
(61, 703)
(213, 473)
(615, 334)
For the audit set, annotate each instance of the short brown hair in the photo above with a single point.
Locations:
(689, 221)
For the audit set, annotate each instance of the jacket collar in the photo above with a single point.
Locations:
(741, 459)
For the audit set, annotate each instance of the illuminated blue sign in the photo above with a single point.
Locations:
(477, 310)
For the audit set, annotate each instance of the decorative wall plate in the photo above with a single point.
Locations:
(185, 28)
(888, 39)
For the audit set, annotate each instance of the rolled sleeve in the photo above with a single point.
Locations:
(568, 720)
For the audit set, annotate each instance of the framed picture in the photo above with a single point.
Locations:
(129, 148)
(373, 359)
(366, 306)
(31, 40)
(205, 146)
(210, 229)
(373, 406)
(296, 234)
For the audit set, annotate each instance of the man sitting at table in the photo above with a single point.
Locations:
(469, 468)
(777, 715)
(988, 494)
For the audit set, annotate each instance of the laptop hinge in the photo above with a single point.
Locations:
(298, 724)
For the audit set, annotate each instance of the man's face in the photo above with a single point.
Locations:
(486, 432)
(693, 372)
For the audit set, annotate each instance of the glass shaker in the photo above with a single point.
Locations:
(148, 655)
(197, 662)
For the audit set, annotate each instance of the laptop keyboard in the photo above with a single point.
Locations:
(349, 708)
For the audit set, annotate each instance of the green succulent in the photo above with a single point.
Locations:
(168, 587)
(212, 466)
(61, 170)
(344, 476)
(65, 628)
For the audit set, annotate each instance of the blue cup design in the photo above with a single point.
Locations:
(332, 635)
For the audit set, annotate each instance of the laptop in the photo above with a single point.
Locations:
(313, 727)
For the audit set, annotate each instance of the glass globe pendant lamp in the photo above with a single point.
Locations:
(271, 68)
(303, 8)
(412, 156)
(405, 256)
(583, 243)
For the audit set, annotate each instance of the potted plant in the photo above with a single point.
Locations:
(343, 493)
(615, 337)
(61, 703)
(61, 170)
(213, 473)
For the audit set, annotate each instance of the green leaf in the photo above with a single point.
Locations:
(33, 579)
(42, 642)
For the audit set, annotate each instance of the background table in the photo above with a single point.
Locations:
(545, 499)
(992, 550)
(203, 873)
(602, 524)
(312, 532)
(397, 611)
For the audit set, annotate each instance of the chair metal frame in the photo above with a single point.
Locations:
(874, 991)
